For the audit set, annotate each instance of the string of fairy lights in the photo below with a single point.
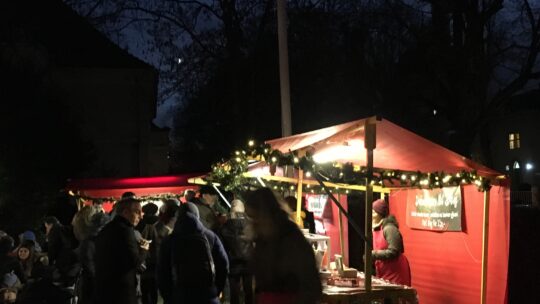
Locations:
(156, 197)
(230, 173)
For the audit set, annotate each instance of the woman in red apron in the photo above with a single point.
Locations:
(390, 262)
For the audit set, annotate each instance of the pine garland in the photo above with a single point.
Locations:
(229, 173)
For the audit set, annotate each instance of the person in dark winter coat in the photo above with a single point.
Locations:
(119, 255)
(165, 225)
(86, 224)
(390, 262)
(61, 245)
(283, 261)
(239, 247)
(207, 204)
(9, 264)
(147, 229)
(192, 265)
(31, 261)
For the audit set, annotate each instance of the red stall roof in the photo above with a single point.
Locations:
(141, 186)
(397, 148)
(131, 182)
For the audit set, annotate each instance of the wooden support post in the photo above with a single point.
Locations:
(485, 244)
(341, 240)
(299, 197)
(369, 144)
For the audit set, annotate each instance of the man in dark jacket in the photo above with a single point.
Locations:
(187, 273)
(148, 277)
(61, 245)
(206, 204)
(118, 255)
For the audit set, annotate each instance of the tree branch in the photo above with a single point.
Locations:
(178, 22)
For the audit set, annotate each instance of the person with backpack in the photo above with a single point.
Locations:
(192, 263)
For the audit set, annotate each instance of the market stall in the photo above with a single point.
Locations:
(457, 255)
(109, 190)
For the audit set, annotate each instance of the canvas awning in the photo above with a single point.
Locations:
(397, 148)
(141, 186)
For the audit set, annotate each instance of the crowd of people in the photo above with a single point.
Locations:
(195, 251)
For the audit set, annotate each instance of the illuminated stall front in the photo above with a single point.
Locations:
(448, 249)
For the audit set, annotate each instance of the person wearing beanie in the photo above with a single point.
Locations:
(388, 252)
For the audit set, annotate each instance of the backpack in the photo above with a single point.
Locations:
(192, 262)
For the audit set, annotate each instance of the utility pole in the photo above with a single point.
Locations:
(286, 125)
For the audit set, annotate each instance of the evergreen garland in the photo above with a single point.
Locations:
(229, 173)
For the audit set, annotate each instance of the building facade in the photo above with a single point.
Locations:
(515, 144)
(111, 95)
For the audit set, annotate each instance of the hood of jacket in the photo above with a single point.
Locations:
(390, 220)
(187, 224)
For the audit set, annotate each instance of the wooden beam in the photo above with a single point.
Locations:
(485, 244)
(370, 143)
(299, 198)
(310, 182)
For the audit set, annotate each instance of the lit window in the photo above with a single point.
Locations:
(514, 141)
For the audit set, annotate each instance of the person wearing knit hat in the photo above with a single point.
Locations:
(388, 252)
(381, 207)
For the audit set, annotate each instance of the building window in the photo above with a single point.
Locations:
(514, 141)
